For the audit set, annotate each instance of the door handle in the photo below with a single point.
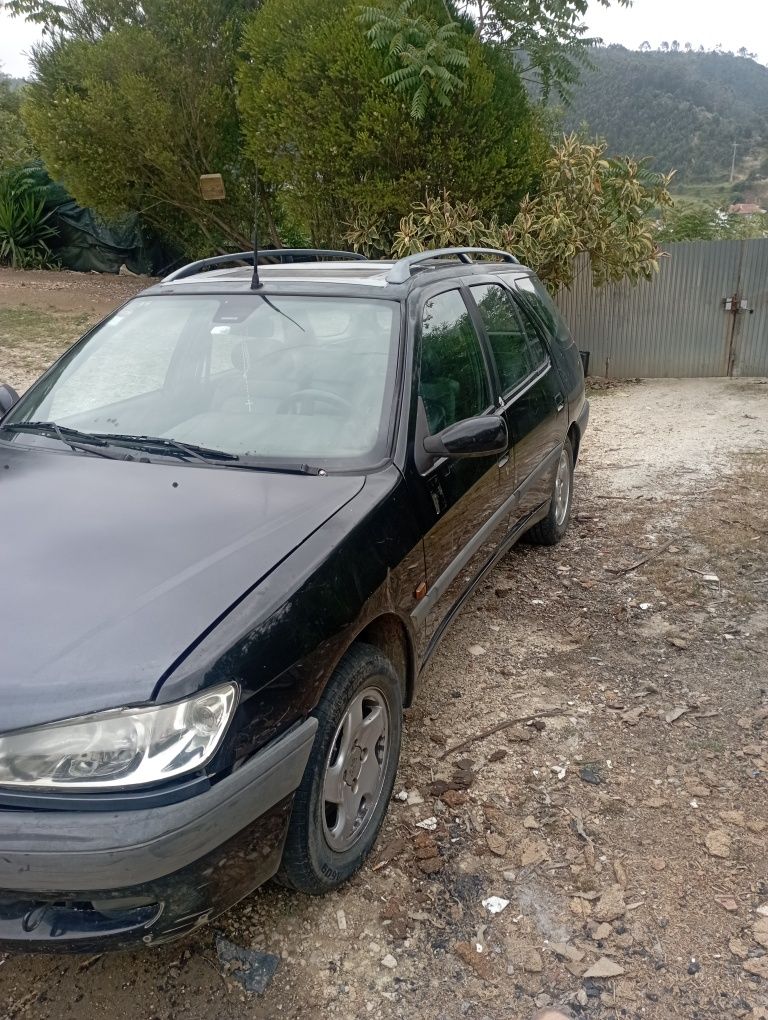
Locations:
(559, 402)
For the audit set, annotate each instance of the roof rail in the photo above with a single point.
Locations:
(265, 255)
(401, 271)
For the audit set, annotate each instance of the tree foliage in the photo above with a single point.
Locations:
(84, 19)
(338, 143)
(702, 221)
(131, 103)
(16, 148)
(587, 205)
(425, 56)
(355, 112)
(596, 206)
(549, 38)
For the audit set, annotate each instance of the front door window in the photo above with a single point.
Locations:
(453, 380)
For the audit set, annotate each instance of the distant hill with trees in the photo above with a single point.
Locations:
(684, 108)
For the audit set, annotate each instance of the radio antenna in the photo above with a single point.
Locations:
(256, 283)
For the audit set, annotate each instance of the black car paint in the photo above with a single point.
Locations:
(137, 543)
(349, 562)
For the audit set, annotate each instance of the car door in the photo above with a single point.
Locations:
(459, 501)
(531, 393)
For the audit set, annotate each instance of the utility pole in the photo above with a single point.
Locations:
(733, 163)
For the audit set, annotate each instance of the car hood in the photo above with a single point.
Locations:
(111, 570)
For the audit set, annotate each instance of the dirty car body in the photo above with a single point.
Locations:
(206, 504)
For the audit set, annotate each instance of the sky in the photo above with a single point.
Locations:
(700, 22)
(16, 37)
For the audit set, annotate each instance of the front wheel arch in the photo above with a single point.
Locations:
(390, 635)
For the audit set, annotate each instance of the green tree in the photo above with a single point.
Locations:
(425, 58)
(338, 143)
(16, 148)
(83, 19)
(588, 204)
(548, 40)
(131, 103)
(702, 221)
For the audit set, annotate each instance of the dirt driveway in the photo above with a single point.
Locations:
(622, 823)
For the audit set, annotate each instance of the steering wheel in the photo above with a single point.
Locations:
(322, 396)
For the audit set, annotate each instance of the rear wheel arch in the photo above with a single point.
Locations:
(574, 437)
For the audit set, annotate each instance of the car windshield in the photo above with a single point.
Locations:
(267, 377)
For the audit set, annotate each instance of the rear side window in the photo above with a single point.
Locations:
(538, 352)
(453, 383)
(506, 333)
(536, 297)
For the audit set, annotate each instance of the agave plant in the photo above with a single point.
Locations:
(25, 227)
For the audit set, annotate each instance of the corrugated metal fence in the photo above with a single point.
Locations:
(704, 314)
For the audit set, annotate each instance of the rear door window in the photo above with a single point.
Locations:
(453, 380)
(507, 335)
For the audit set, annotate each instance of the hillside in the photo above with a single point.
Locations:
(684, 109)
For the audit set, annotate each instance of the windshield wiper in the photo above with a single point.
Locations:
(282, 469)
(169, 446)
(80, 442)
(208, 454)
(86, 441)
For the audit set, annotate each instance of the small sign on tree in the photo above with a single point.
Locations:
(212, 188)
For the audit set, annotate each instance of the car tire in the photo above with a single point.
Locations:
(335, 821)
(553, 527)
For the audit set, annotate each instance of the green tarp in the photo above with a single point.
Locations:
(88, 243)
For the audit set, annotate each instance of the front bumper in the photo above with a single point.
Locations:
(89, 881)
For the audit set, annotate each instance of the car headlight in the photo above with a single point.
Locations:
(122, 748)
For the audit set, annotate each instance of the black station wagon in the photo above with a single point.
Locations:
(237, 518)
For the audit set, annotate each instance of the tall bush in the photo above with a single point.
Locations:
(336, 138)
(586, 204)
(132, 104)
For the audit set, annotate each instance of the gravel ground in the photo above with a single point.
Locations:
(621, 823)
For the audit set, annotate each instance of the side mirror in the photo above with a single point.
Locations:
(473, 437)
(8, 397)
